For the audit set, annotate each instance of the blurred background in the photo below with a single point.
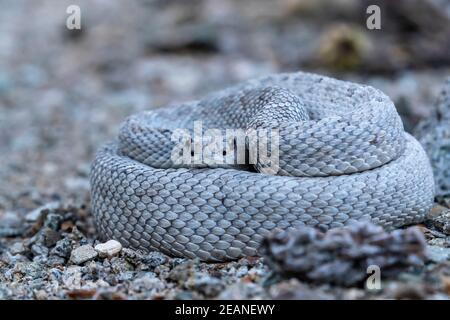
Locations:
(64, 92)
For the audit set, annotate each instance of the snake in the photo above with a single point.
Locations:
(341, 157)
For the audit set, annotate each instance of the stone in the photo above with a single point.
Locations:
(434, 135)
(63, 248)
(83, 254)
(10, 225)
(154, 259)
(439, 219)
(50, 237)
(39, 250)
(144, 261)
(17, 248)
(341, 256)
(108, 249)
(147, 282)
(71, 278)
(438, 254)
(36, 214)
(205, 284)
(10, 220)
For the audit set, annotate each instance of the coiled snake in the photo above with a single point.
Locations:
(343, 157)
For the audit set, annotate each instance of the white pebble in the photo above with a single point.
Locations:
(109, 248)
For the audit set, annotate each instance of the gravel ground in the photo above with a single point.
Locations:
(64, 93)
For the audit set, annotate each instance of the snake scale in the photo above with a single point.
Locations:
(343, 157)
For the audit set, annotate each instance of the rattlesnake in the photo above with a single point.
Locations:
(343, 157)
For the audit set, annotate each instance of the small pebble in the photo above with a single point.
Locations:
(83, 254)
(63, 248)
(17, 248)
(37, 213)
(71, 277)
(109, 248)
(206, 285)
(438, 254)
(439, 219)
(144, 261)
(10, 220)
(39, 250)
(50, 237)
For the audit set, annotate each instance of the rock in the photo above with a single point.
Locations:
(205, 284)
(17, 248)
(120, 265)
(46, 231)
(126, 276)
(55, 261)
(434, 135)
(5, 292)
(154, 259)
(62, 249)
(182, 272)
(41, 295)
(11, 232)
(53, 221)
(55, 274)
(11, 260)
(50, 237)
(241, 291)
(147, 282)
(77, 235)
(438, 254)
(10, 220)
(407, 291)
(151, 260)
(242, 271)
(292, 289)
(71, 278)
(29, 270)
(39, 250)
(109, 248)
(78, 294)
(341, 256)
(36, 214)
(184, 295)
(439, 219)
(10, 225)
(40, 259)
(83, 254)
(109, 294)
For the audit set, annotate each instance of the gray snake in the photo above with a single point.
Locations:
(343, 156)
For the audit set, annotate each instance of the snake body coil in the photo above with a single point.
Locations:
(343, 157)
